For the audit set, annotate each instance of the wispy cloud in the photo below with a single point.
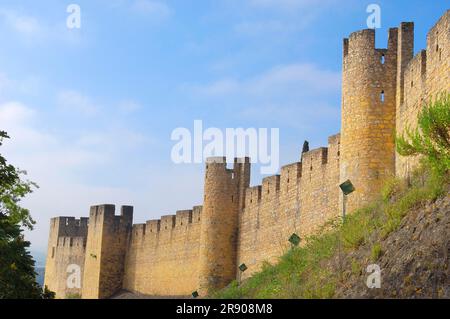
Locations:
(298, 115)
(289, 4)
(29, 85)
(280, 17)
(22, 23)
(253, 28)
(129, 106)
(152, 7)
(281, 78)
(31, 29)
(75, 102)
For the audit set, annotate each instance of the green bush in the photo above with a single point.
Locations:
(431, 138)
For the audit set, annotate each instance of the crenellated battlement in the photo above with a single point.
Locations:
(199, 249)
(362, 44)
(69, 226)
(167, 223)
(253, 195)
(67, 241)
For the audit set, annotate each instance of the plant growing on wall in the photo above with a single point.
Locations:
(431, 138)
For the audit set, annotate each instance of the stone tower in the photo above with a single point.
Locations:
(368, 114)
(224, 199)
(107, 241)
(64, 232)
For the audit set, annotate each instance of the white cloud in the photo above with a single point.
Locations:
(129, 106)
(24, 24)
(17, 119)
(29, 85)
(158, 10)
(288, 4)
(30, 30)
(279, 17)
(253, 28)
(300, 116)
(14, 113)
(77, 103)
(5, 82)
(283, 78)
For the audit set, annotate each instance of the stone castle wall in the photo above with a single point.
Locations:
(298, 201)
(383, 91)
(163, 255)
(424, 77)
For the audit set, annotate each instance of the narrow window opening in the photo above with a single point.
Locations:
(53, 252)
(412, 83)
(232, 199)
(67, 221)
(382, 59)
(382, 96)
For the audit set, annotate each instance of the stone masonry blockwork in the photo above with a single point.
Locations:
(200, 249)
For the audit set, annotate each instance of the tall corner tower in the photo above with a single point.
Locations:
(107, 240)
(224, 199)
(368, 114)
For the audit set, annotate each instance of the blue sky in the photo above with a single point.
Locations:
(91, 110)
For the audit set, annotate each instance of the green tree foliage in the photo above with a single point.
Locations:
(431, 138)
(17, 275)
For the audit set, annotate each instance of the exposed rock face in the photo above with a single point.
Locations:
(414, 261)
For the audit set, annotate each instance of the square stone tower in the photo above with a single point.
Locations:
(107, 241)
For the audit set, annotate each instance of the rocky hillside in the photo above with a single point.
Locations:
(414, 260)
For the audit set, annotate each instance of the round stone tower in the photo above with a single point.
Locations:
(224, 191)
(368, 115)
